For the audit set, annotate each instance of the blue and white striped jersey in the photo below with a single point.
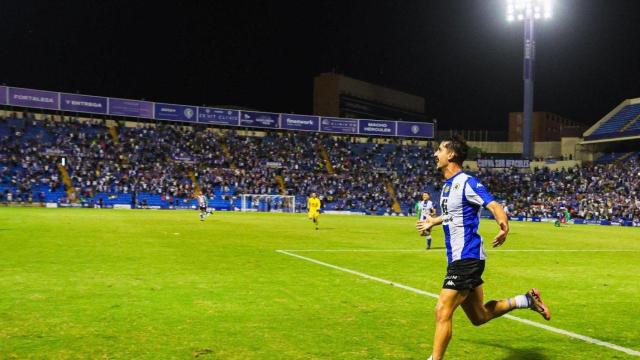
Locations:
(425, 209)
(461, 201)
(202, 201)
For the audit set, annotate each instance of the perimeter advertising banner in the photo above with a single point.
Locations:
(339, 125)
(42, 99)
(377, 127)
(415, 129)
(218, 116)
(83, 103)
(259, 119)
(503, 163)
(175, 112)
(34, 98)
(135, 108)
(300, 122)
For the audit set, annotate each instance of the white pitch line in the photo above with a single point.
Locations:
(425, 293)
(441, 250)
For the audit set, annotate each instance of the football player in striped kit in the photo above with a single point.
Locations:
(202, 205)
(426, 210)
(461, 201)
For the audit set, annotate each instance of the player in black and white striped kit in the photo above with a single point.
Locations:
(425, 211)
(202, 205)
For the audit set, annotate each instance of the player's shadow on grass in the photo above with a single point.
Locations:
(437, 248)
(517, 353)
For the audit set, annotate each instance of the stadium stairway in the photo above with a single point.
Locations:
(71, 191)
(227, 155)
(194, 181)
(114, 134)
(281, 185)
(396, 205)
(630, 123)
(625, 156)
(325, 157)
(611, 158)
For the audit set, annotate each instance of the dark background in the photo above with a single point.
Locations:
(461, 55)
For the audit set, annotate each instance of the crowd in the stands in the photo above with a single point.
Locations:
(348, 174)
(592, 191)
(161, 159)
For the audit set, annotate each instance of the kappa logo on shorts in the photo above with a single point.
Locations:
(450, 283)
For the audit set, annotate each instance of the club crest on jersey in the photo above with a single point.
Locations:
(456, 186)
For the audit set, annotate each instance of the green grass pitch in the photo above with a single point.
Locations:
(117, 284)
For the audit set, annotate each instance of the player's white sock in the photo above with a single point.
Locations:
(430, 357)
(519, 302)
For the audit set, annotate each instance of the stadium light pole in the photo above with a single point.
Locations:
(528, 11)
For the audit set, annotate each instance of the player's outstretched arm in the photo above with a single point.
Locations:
(426, 225)
(502, 220)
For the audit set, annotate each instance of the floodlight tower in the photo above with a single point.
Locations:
(528, 11)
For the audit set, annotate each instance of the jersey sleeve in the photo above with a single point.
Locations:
(476, 193)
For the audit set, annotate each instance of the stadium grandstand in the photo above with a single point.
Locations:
(616, 137)
(141, 164)
(622, 123)
(156, 166)
(150, 155)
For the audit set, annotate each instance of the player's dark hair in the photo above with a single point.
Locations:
(459, 147)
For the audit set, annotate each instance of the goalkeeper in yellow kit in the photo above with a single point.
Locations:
(313, 205)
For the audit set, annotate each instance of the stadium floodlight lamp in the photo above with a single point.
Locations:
(529, 9)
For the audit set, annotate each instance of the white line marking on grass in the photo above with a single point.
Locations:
(417, 291)
(426, 293)
(441, 250)
(574, 335)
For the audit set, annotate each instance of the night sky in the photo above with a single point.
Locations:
(461, 55)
